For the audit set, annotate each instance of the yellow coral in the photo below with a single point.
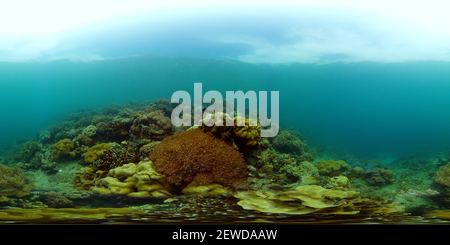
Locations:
(93, 152)
(326, 167)
(312, 197)
(134, 180)
(250, 135)
(203, 190)
(142, 181)
(62, 147)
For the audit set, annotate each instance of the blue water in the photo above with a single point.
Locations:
(365, 108)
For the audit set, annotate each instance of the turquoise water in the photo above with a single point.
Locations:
(367, 108)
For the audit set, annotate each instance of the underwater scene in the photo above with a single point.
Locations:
(226, 114)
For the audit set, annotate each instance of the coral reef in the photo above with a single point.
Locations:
(134, 152)
(63, 147)
(327, 167)
(200, 157)
(13, 182)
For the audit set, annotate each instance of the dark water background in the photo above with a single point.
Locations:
(370, 109)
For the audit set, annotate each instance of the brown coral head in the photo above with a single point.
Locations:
(200, 157)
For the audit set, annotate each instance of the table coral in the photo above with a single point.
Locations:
(200, 157)
(62, 147)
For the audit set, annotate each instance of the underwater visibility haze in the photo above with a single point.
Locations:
(363, 105)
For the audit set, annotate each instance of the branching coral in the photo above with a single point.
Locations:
(200, 157)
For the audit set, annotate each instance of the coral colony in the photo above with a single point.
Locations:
(216, 99)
